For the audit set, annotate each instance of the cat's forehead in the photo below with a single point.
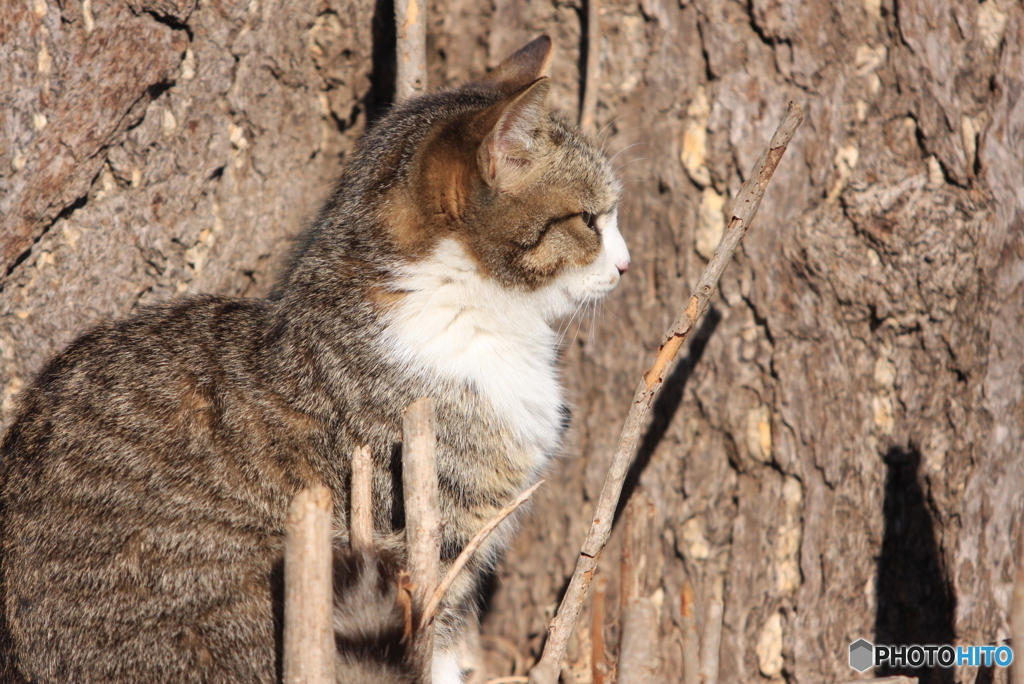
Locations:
(581, 165)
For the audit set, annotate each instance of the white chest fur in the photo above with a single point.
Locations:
(454, 324)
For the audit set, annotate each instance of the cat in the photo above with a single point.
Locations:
(146, 478)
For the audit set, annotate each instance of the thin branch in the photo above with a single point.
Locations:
(361, 500)
(711, 642)
(308, 590)
(598, 664)
(588, 108)
(691, 649)
(743, 209)
(479, 538)
(410, 48)
(898, 679)
(636, 541)
(638, 655)
(422, 525)
(638, 638)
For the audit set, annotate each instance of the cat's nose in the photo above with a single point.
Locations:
(623, 266)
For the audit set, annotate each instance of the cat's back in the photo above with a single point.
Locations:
(148, 454)
(169, 373)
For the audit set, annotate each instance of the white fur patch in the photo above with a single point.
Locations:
(445, 668)
(458, 325)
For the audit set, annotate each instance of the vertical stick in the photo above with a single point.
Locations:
(598, 666)
(308, 591)
(422, 526)
(361, 500)
(711, 642)
(636, 537)
(691, 661)
(588, 107)
(411, 48)
(638, 645)
(638, 655)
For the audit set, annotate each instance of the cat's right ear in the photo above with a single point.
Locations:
(528, 64)
(506, 155)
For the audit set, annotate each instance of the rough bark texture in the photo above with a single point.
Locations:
(841, 443)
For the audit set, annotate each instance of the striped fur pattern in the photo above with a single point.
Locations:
(145, 482)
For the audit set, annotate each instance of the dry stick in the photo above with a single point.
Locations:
(460, 562)
(308, 594)
(742, 209)
(361, 504)
(588, 108)
(422, 525)
(638, 656)
(410, 48)
(691, 649)
(711, 642)
(636, 540)
(638, 644)
(598, 665)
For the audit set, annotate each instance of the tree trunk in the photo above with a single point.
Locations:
(839, 449)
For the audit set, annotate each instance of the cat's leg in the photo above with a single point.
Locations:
(445, 668)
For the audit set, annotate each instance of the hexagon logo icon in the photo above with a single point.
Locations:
(861, 655)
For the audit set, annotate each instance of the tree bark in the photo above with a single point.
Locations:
(840, 443)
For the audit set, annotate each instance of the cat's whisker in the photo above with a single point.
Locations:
(627, 147)
(561, 337)
(627, 163)
(611, 133)
(624, 131)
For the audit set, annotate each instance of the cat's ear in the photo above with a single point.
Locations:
(505, 156)
(528, 64)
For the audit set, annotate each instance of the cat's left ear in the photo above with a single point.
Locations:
(506, 155)
(528, 64)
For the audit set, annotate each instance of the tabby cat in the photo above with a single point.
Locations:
(146, 478)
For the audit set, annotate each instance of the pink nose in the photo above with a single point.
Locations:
(623, 266)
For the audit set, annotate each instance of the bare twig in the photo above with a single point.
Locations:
(898, 679)
(638, 643)
(598, 665)
(636, 540)
(638, 654)
(588, 108)
(308, 590)
(509, 680)
(411, 48)
(479, 538)
(743, 209)
(361, 500)
(711, 642)
(691, 649)
(422, 526)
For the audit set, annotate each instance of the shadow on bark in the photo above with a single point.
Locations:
(382, 76)
(916, 603)
(667, 404)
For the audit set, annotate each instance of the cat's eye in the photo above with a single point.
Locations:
(591, 221)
